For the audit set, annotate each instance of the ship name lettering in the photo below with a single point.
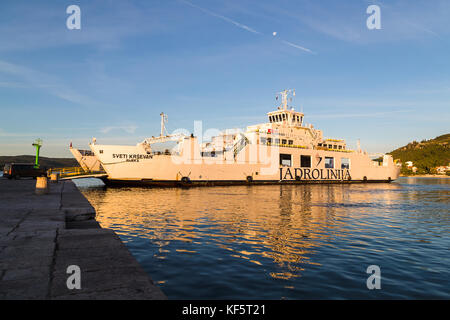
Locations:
(314, 174)
(131, 157)
(119, 156)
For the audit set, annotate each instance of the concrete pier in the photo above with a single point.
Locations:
(42, 235)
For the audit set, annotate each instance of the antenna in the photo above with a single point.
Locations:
(163, 121)
(284, 98)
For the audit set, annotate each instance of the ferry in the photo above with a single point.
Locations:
(283, 150)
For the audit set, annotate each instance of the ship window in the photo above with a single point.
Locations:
(285, 160)
(283, 141)
(329, 162)
(263, 140)
(319, 144)
(335, 146)
(277, 141)
(291, 142)
(305, 161)
(345, 163)
(269, 140)
(100, 151)
(340, 147)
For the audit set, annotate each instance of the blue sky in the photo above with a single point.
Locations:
(218, 61)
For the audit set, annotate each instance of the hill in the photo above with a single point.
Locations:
(425, 155)
(43, 161)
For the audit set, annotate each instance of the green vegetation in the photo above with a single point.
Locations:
(43, 161)
(425, 155)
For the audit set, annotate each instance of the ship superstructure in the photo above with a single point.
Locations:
(282, 150)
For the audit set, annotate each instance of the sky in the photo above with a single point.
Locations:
(221, 62)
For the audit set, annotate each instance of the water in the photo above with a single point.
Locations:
(286, 242)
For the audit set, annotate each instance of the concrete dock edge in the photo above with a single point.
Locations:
(41, 236)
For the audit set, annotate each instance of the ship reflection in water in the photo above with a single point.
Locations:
(289, 241)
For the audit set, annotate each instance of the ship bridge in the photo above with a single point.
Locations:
(286, 115)
(289, 117)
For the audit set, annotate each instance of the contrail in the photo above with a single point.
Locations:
(297, 46)
(237, 24)
(242, 26)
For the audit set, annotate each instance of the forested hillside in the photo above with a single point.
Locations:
(425, 155)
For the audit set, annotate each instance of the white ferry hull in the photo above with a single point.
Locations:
(129, 165)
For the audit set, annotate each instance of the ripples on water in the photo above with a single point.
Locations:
(286, 242)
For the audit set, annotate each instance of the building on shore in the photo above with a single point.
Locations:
(443, 169)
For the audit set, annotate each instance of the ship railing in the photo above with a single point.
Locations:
(71, 171)
(335, 140)
(165, 153)
(332, 149)
(240, 144)
(286, 145)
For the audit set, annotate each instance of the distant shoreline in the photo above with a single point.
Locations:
(43, 161)
(426, 176)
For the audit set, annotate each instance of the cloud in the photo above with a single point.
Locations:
(104, 25)
(357, 115)
(346, 21)
(9, 84)
(34, 79)
(128, 129)
(4, 134)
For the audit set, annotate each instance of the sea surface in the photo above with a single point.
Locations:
(286, 242)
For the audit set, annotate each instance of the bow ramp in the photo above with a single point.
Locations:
(71, 173)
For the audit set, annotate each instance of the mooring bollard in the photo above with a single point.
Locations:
(54, 177)
(41, 185)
